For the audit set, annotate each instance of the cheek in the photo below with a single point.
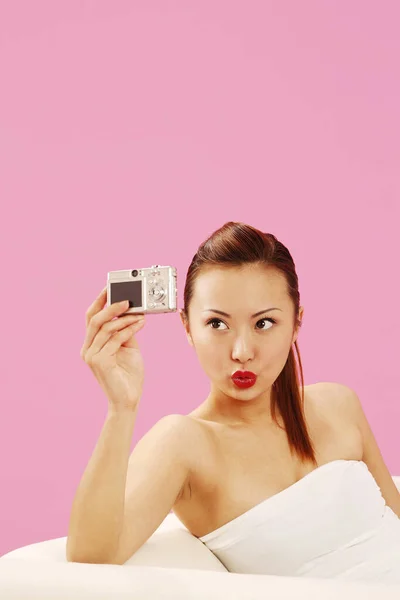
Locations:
(209, 353)
(273, 351)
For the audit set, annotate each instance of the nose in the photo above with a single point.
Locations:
(242, 350)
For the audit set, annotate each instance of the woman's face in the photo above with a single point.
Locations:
(223, 344)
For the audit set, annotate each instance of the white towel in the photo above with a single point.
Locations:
(332, 523)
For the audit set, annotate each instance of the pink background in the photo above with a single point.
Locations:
(129, 131)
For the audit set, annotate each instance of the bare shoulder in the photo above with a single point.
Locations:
(349, 405)
(178, 432)
(199, 440)
(339, 397)
(330, 398)
(335, 402)
(188, 433)
(332, 406)
(345, 403)
(181, 427)
(174, 435)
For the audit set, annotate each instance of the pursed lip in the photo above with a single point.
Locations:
(244, 375)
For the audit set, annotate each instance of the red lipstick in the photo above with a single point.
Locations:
(244, 379)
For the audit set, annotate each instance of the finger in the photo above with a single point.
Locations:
(96, 336)
(111, 344)
(105, 315)
(125, 338)
(97, 305)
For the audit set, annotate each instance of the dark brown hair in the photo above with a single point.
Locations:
(236, 244)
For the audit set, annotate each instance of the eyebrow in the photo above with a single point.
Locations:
(220, 312)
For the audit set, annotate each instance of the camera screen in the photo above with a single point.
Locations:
(127, 290)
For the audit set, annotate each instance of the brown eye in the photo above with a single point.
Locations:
(212, 321)
(269, 319)
(215, 320)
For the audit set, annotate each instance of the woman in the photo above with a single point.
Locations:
(273, 476)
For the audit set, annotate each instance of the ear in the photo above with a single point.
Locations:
(300, 319)
(185, 325)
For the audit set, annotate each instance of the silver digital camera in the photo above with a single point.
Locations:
(149, 290)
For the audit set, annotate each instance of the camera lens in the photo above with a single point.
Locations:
(135, 273)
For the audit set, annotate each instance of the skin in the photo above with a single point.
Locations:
(240, 342)
(230, 456)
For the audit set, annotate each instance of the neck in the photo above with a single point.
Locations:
(239, 410)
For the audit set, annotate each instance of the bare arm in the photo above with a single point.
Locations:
(121, 500)
(158, 470)
(372, 455)
(345, 402)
